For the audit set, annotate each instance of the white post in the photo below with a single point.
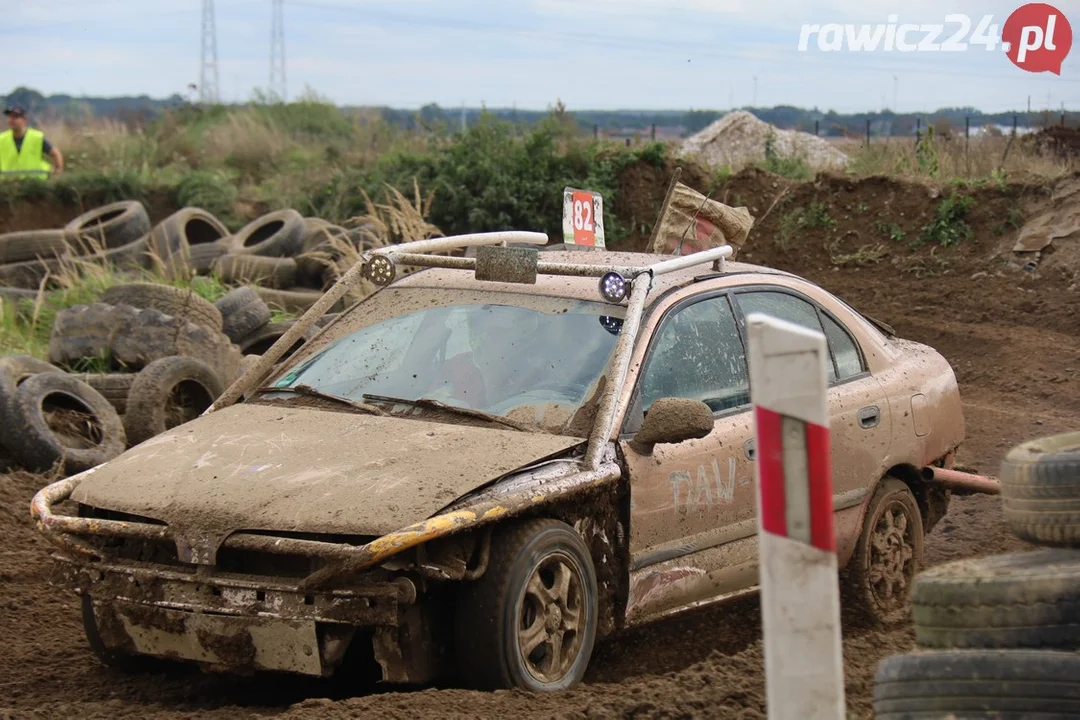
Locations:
(800, 597)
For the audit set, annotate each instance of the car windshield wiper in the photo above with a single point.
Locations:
(432, 404)
(309, 391)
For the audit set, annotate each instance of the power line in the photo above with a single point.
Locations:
(208, 66)
(278, 88)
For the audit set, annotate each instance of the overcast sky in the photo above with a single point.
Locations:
(596, 54)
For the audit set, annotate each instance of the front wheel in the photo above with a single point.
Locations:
(889, 553)
(530, 620)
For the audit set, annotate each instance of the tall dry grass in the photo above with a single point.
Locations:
(396, 219)
(953, 158)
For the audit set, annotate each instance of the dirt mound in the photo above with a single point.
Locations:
(740, 138)
(1057, 140)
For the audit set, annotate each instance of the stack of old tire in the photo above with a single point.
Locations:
(286, 257)
(159, 354)
(1001, 634)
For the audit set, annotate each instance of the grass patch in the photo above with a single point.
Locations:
(949, 226)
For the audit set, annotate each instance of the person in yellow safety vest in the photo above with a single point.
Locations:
(23, 149)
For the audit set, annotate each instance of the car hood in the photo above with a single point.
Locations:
(302, 470)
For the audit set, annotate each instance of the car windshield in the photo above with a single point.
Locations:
(535, 360)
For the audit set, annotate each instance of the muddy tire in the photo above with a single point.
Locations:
(978, 684)
(178, 302)
(63, 420)
(278, 234)
(1040, 490)
(114, 387)
(239, 269)
(29, 274)
(171, 241)
(111, 226)
(258, 342)
(290, 301)
(243, 312)
(83, 332)
(14, 369)
(540, 575)
(32, 244)
(167, 393)
(154, 335)
(1019, 600)
(888, 554)
(108, 656)
(202, 257)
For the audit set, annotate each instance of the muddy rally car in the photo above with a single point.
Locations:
(488, 463)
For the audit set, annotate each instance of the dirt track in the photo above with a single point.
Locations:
(1015, 344)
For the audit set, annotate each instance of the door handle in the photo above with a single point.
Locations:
(750, 449)
(869, 417)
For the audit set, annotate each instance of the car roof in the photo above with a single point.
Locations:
(580, 288)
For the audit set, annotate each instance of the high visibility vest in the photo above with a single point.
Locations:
(26, 160)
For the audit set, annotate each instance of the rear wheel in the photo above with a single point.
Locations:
(530, 621)
(887, 555)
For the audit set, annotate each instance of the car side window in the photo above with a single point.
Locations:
(848, 360)
(698, 355)
(786, 307)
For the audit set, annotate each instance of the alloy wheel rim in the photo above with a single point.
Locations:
(551, 618)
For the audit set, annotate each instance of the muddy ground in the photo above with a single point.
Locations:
(1013, 337)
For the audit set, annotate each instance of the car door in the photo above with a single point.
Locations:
(693, 496)
(859, 417)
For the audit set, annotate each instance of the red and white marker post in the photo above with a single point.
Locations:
(800, 596)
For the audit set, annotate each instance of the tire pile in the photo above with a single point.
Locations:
(1001, 634)
(161, 354)
(287, 257)
(167, 355)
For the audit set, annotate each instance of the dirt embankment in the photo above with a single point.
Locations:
(1011, 335)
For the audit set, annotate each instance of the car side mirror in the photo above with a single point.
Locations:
(672, 420)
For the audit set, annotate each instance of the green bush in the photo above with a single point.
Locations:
(211, 190)
(949, 225)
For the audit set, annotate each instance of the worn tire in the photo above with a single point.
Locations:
(491, 609)
(32, 244)
(243, 312)
(317, 252)
(172, 239)
(133, 256)
(29, 274)
(94, 435)
(174, 301)
(1040, 490)
(14, 369)
(291, 301)
(885, 601)
(113, 225)
(1019, 600)
(278, 234)
(201, 257)
(154, 335)
(239, 269)
(114, 387)
(258, 342)
(978, 684)
(167, 393)
(83, 332)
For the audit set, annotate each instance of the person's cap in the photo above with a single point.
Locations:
(17, 110)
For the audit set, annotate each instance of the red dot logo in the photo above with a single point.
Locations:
(1037, 38)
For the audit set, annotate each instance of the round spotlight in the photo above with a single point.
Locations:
(380, 270)
(614, 287)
